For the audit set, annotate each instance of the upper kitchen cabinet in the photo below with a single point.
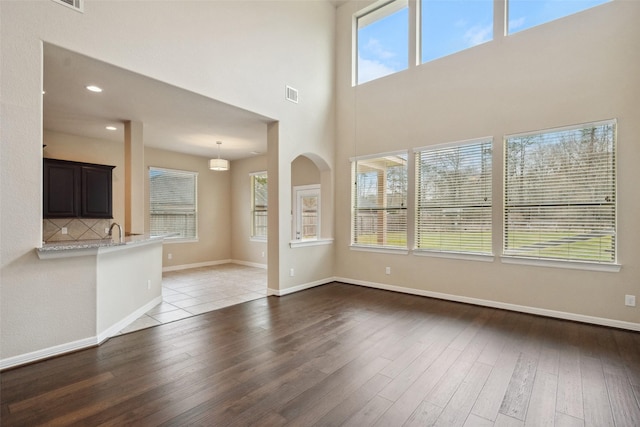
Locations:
(76, 190)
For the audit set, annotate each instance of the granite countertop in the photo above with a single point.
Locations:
(76, 246)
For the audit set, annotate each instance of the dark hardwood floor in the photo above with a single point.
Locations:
(340, 355)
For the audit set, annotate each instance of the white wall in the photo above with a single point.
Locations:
(129, 278)
(242, 53)
(579, 69)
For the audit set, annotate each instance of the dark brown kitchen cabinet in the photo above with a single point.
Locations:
(76, 190)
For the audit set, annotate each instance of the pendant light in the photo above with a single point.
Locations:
(219, 164)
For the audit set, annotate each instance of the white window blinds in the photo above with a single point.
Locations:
(172, 202)
(453, 197)
(560, 194)
(379, 214)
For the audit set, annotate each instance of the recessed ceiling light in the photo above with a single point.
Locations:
(94, 88)
(111, 128)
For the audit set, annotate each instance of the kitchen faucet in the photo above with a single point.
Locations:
(119, 229)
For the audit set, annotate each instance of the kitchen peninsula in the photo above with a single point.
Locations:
(126, 276)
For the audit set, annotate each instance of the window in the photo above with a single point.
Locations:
(259, 205)
(379, 203)
(453, 197)
(451, 26)
(382, 40)
(560, 194)
(172, 205)
(523, 14)
(307, 212)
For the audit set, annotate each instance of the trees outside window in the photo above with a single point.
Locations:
(259, 205)
(379, 203)
(453, 197)
(560, 194)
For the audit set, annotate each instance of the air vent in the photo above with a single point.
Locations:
(76, 5)
(292, 94)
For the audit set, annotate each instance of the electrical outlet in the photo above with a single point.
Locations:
(64, 230)
(630, 300)
(148, 284)
(262, 254)
(387, 270)
(106, 230)
(291, 272)
(169, 256)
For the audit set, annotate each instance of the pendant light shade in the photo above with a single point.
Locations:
(219, 164)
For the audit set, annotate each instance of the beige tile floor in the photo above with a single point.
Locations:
(187, 293)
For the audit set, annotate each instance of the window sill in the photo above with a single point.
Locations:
(258, 239)
(179, 240)
(385, 250)
(304, 243)
(454, 255)
(575, 265)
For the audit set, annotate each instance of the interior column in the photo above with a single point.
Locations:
(134, 178)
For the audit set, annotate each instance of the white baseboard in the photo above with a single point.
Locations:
(249, 264)
(496, 304)
(117, 327)
(287, 291)
(45, 353)
(195, 265)
(212, 263)
(58, 350)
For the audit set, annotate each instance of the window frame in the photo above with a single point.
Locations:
(403, 207)
(194, 212)
(483, 209)
(371, 14)
(254, 211)
(299, 192)
(511, 255)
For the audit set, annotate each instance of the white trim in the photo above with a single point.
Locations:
(195, 265)
(304, 286)
(379, 155)
(454, 255)
(562, 128)
(82, 344)
(172, 240)
(299, 192)
(248, 263)
(258, 239)
(574, 265)
(161, 169)
(314, 242)
(488, 139)
(501, 305)
(380, 249)
(78, 5)
(212, 263)
(378, 10)
(120, 325)
(57, 350)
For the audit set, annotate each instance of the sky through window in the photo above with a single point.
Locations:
(447, 26)
(383, 45)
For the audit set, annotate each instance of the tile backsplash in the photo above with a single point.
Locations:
(76, 228)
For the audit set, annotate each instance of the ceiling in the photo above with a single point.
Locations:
(173, 119)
